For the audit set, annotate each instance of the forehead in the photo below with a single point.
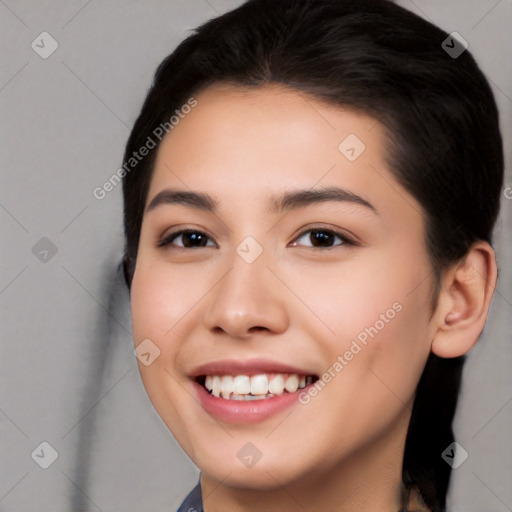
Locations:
(245, 145)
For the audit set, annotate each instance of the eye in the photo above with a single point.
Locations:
(189, 239)
(322, 238)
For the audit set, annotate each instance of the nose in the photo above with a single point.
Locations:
(246, 301)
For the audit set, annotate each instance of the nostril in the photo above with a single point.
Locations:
(257, 328)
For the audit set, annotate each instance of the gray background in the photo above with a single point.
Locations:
(68, 372)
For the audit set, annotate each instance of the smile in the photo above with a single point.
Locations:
(255, 387)
(248, 391)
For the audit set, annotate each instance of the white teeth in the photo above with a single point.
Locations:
(292, 383)
(276, 384)
(241, 385)
(256, 387)
(259, 384)
(216, 386)
(226, 386)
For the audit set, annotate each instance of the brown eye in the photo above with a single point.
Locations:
(322, 238)
(187, 238)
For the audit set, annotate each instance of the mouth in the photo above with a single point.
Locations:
(255, 387)
(247, 392)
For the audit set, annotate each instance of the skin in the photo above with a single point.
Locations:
(296, 303)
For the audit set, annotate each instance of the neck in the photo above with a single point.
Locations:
(370, 479)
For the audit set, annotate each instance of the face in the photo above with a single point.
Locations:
(277, 249)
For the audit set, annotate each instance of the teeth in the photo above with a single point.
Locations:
(256, 387)
(276, 384)
(292, 383)
(226, 386)
(216, 386)
(241, 385)
(259, 384)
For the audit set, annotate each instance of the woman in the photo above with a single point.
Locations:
(310, 191)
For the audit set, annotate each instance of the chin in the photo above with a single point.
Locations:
(267, 474)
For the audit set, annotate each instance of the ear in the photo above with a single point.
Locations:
(465, 297)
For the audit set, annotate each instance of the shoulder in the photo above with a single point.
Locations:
(193, 502)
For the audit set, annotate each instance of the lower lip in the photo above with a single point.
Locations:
(244, 411)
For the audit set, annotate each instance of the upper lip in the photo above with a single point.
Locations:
(248, 367)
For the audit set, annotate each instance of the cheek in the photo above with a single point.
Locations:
(374, 361)
(377, 312)
(160, 300)
(149, 305)
(362, 294)
(159, 304)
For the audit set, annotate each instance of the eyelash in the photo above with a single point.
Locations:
(169, 239)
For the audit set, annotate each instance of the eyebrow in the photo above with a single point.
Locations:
(301, 198)
(288, 201)
(196, 200)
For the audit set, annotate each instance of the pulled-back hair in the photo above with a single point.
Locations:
(444, 144)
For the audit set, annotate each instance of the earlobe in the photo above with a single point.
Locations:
(466, 294)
